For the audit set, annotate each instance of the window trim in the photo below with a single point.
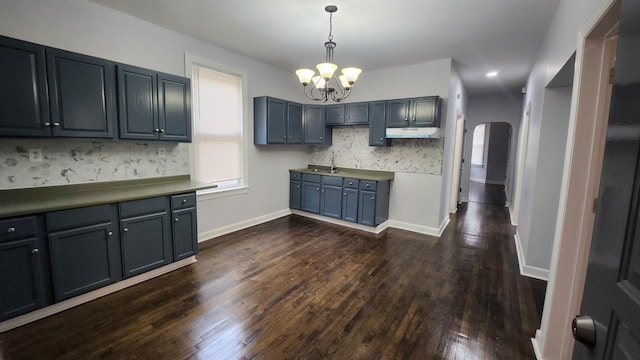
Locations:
(243, 188)
(484, 144)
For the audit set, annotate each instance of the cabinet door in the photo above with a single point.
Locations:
(398, 112)
(185, 233)
(146, 243)
(350, 205)
(84, 259)
(295, 193)
(314, 128)
(294, 123)
(331, 201)
(82, 91)
(367, 208)
(335, 114)
(174, 108)
(377, 127)
(276, 121)
(424, 111)
(357, 113)
(21, 280)
(138, 103)
(24, 102)
(311, 197)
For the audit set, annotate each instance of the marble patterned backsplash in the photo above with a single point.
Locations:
(75, 161)
(351, 149)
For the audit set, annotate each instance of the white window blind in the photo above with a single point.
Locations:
(217, 137)
(477, 150)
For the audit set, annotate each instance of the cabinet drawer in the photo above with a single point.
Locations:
(311, 178)
(18, 228)
(351, 183)
(332, 180)
(90, 215)
(295, 176)
(368, 185)
(183, 201)
(143, 206)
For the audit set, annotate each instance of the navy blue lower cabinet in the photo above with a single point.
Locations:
(367, 207)
(295, 194)
(146, 235)
(331, 201)
(85, 249)
(311, 197)
(350, 205)
(184, 226)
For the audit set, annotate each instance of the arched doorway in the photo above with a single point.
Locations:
(489, 162)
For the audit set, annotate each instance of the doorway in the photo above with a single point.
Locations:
(489, 162)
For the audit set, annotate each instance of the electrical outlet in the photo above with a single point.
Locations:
(162, 153)
(364, 153)
(35, 155)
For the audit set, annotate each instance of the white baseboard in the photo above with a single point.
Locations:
(443, 226)
(528, 270)
(81, 299)
(415, 228)
(464, 199)
(494, 182)
(208, 235)
(536, 345)
(478, 180)
(376, 230)
(514, 221)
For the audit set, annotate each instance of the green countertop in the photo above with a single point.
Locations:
(41, 199)
(361, 174)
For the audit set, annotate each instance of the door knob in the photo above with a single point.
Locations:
(583, 329)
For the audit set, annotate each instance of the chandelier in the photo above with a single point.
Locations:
(326, 86)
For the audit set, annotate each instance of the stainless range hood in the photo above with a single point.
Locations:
(413, 133)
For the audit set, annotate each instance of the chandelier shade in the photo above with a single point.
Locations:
(327, 85)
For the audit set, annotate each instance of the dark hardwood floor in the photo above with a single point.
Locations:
(486, 193)
(296, 288)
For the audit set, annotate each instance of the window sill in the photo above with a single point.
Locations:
(219, 193)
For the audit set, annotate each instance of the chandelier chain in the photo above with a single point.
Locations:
(330, 26)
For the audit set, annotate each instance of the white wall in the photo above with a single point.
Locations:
(87, 28)
(490, 108)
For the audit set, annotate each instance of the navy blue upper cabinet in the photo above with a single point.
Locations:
(295, 130)
(270, 121)
(315, 131)
(153, 106)
(347, 114)
(415, 112)
(377, 127)
(82, 91)
(24, 101)
(174, 104)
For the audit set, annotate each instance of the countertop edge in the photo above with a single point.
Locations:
(360, 174)
(28, 201)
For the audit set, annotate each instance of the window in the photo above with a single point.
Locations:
(477, 149)
(218, 150)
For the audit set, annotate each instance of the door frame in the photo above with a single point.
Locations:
(457, 164)
(580, 184)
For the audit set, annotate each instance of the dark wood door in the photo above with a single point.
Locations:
(24, 104)
(82, 90)
(174, 108)
(612, 290)
(138, 103)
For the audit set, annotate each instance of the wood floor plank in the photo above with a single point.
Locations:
(297, 288)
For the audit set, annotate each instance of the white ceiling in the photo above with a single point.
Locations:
(481, 35)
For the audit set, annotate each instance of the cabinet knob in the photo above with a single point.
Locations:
(345, 194)
(176, 220)
(367, 185)
(298, 187)
(289, 137)
(405, 119)
(317, 189)
(284, 137)
(156, 130)
(110, 233)
(11, 230)
(35, 251)
(161, 130)
(320, 137)
(47, 124)
(125, 230)
(381, 139)
(322, 190)
(350, 182)
(56, 124)
(184, 201)
(373, 198)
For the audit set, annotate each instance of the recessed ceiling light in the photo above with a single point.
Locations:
(492, 74)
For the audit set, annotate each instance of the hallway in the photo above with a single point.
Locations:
(296, 288)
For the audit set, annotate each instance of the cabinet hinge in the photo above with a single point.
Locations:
(612, 74)
(595, 205)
